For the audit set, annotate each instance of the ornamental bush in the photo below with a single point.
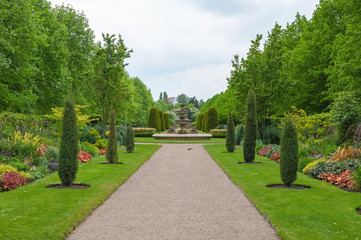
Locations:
(230, 142)
(153, 119)
(112, 153)
(129, 140)
(289, 152)
(68, 152)
(249, 144)
(212, 119)
(204, 121)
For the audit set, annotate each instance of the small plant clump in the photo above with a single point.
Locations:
(112, 153)
(230, 141)
(129, 140)
(249, 144)
(68, 153)
(289, 152)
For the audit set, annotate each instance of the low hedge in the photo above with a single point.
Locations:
(144, 132)
(218, 133)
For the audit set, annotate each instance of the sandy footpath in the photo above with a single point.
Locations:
(180, 193)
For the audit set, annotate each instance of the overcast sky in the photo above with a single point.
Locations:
(186, 46)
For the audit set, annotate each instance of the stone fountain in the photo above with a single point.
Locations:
(183, 121)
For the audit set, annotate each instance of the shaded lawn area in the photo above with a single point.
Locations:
(36, 212)
(322, 212)
(152, 140)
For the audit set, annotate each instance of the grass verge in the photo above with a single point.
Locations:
(152, 140)
(322, 212)
(36, 212)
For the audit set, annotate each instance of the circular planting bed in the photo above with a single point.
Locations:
(73, 185)
(112, 163)
(293, 186)
(248, 162)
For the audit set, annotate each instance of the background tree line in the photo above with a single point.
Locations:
(305, 64)
(45, 52)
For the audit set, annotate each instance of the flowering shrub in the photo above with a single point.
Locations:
(263, 151)
(40, 151)
(84, 156)
(342, 180)
(24, 145)
(346, 153)
(275, 157)
(102, 151)
(11, 180)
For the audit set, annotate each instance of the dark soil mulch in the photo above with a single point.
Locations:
(112, 163)
(358, 210)
(73, 186)
(293, 186)
(248, 162)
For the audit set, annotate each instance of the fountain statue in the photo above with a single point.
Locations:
(183, 121)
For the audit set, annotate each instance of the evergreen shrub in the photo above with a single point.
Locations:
(129, 140)
(68, 153)
(230, 140)
(289, 152)
(112, 153)
(212, 119)
(153, 119)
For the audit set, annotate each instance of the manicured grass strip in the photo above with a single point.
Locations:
(36, 212)
(152, 140)
(322, 212)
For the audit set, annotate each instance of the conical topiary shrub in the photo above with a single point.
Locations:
(112, 150)
(230, 134)
(204, 121)
(68, 154)
(153, 119)
(129, 140)
(166, 119)
(289, 152)
(162, 120)
(200, 121)
(249, 145)
(212, 119)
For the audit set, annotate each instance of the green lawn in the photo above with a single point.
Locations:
(36, 212)
(152, 140)
(322, 212)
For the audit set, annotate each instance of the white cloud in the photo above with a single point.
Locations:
(186, 43)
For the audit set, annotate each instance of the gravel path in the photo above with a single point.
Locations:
(180, 193)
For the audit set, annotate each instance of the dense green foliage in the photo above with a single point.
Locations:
(250, 134)
(153, 119)
(46, 51)
(129, 140)
(239, 132)
(230, 141)
(112, 149)
(199, 125)
(68, 154)
(345, 111)
(289, 152)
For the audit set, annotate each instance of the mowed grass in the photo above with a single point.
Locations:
(152, 140)
(36, 212)
(322, 212)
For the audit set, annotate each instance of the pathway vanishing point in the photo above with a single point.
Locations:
(179, 193)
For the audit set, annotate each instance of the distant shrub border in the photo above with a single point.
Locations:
(218, 133)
